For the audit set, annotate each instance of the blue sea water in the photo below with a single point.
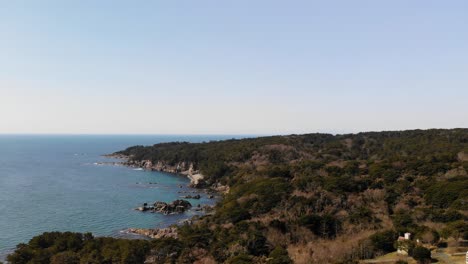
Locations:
(52, 183)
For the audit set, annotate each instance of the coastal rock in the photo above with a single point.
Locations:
(155, 233)
(192, 197)
(148, 164)
(180, 167)
(220, 188)
(184, 168)
(177, 206)
(208, 208)
(196, 180)
(142, 208)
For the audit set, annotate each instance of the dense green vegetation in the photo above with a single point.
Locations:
(77, 248)
(422, 255)
(314, 198)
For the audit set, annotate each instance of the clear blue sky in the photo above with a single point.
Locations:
(227, 67)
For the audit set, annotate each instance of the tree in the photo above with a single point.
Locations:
(279, 256)
(422, 255)
(65, 257)
(455, 229)
(430, 236)
(384, 241)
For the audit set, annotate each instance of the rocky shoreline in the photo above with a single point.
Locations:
(182, 168)
(168, 232)
(197, 180)
(174, 207)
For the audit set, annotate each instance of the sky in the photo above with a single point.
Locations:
(232, 67)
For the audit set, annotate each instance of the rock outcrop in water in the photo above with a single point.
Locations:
(175, 207)
(198, 196)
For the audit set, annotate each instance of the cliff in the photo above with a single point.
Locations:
(182, 167)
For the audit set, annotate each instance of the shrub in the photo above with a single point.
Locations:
(240, 259)
(232, 212)
(68, 257)
(57, 247)
(444, 194)
(261, 194)
(279, 256)
(449, 216)
(442, 244)
(422, 255)
(279, 225)
(257, 244)
(455, 229)
(384, 241)
(166, 249)
(403, 221)
(279, 171)
(324, 226)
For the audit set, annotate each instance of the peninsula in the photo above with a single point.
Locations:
(314, 198)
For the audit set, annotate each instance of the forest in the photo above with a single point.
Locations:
(313, 198)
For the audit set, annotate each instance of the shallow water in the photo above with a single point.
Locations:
(52, 183)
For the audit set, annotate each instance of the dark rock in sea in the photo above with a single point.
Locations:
(177, 206)
(192, 197)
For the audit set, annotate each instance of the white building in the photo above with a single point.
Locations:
(403, 244)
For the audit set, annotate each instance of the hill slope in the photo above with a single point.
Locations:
(319, 198)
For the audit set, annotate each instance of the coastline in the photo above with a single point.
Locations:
(197, 179)
(160, 230)
(180, 169)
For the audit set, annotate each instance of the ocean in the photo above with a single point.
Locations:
(54, 183)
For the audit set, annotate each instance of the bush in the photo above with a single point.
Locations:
(279, 171)
(455, 229)
(240, 259)
(279, 256)
(444, 194)
(324, 226)
(422, 255)
(449, 216)
(68, 257)
(279, 225)
(442, 245)
(257, 244)
(384, 241)
(261, 195)
(195, 236)
(403, 221)
(57, 247)
(232, 212)
(166, 249)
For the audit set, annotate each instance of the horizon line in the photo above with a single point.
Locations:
(222, 134)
